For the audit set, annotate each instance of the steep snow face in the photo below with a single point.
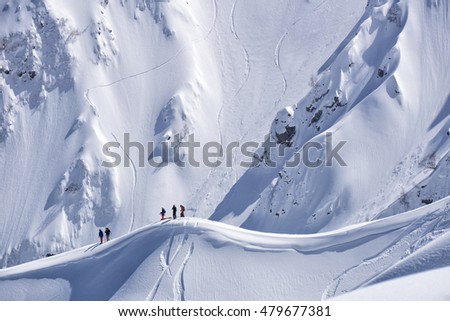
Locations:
(77, 75)
(381, 102)
(35, 82)
(68, 89)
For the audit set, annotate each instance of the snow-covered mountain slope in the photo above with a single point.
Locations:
(416, 287)
(382, 102)
(197, 259)
(75, 75)
(133, 74)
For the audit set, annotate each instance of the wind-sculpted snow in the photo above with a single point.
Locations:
(197, 259)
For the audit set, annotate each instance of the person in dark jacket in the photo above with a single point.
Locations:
(100, 235)
(174, 212)
(108, 234)
(181, 211)
(163, 212)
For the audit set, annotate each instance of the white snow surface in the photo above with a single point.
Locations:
(75, 75)
(431, 286)
(385, 94)
(197, 259)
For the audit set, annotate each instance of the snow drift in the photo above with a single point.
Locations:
(197, 259)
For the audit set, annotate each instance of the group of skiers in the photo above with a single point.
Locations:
(107, 233)
(174, 212)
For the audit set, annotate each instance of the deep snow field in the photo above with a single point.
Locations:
(368, 80)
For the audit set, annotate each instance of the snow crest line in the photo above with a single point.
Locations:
(313, 243)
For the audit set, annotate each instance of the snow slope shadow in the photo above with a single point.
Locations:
(99, 266)
(343, 44)
(244, 193)
(443, 114)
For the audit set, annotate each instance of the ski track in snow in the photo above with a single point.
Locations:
(166, 261)
(133, 167)
(243, 82)
(154, 68)
(92, 247)
(278, 51)
(158, 66)
(277, 63)
(246, 55)
(245, 76)
(213, 24)
(94, 108)
(361, 274)
(178, 284)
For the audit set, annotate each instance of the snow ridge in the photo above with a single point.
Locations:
(363, 90)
